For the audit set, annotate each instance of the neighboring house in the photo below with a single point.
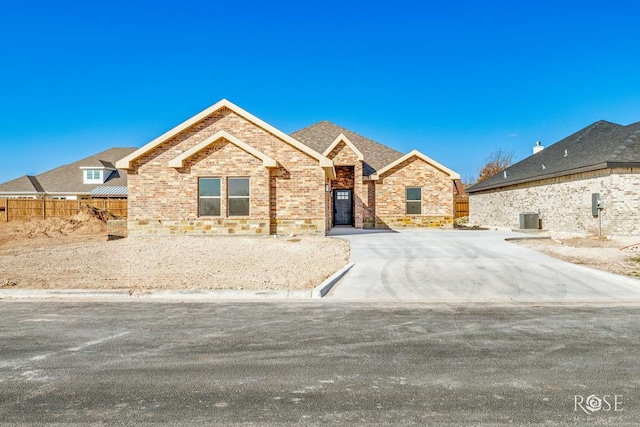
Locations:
(224, 171)
(94, 176)
(558, 183)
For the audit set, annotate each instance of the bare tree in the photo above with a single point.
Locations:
(496, 162)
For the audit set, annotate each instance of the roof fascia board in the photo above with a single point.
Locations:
(623, 164)
(338, 140)
(97, 167)
(178, 162)
(416, 153)
(19, 192)
(583, 169)
(125, 163)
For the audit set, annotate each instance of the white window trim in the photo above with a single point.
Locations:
(92, 180)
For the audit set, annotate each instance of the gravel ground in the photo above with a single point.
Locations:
(78, 256)
(615, 254)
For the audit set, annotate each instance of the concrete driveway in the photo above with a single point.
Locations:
(473, 266)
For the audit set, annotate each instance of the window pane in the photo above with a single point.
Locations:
(209, 207)
(238, 187)
(414, 193)
(210, 187)
(239, 207)
(413, 208)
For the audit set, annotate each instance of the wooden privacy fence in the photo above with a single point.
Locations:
(26, 209)
(460, 206)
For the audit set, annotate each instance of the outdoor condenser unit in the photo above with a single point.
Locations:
(529, 221)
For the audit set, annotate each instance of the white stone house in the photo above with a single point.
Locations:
(558, 183)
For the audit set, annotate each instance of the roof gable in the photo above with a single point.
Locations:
(343, 139)
(419, 155)
(178, 161)
(600, 145)
(322, 135)
(125, 163)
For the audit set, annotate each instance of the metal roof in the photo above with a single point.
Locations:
(120, 191)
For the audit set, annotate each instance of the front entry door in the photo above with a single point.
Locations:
(342, 207)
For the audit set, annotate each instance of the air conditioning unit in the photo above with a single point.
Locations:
(529, 221)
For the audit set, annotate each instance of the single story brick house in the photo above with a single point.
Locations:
(559, 183)
(225, 171)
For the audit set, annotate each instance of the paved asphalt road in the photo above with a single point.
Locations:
(316, 363)
(472, 266)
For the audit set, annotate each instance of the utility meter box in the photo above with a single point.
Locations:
(596, 204)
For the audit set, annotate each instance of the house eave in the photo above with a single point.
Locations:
(590, 168)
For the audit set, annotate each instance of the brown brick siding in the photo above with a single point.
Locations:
(290, 198)
(349, 176)
(292, 192)
(437, 195)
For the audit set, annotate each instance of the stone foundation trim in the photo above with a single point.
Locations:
(422, 221)
(226, 227)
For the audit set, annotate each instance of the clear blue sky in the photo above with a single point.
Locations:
(455, 80)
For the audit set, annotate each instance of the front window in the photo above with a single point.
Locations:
(238, 196)
(209, 196)
(414, 200)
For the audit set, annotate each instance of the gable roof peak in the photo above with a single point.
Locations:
(325, 163)
(322, 134)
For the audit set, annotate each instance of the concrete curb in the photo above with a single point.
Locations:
(153, 295)
(513, 239)
(171, 295)
(323, 288)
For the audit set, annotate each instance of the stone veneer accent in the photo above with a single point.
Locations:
(226, 226)
(564, 203)
(117, 229)
(437, 196)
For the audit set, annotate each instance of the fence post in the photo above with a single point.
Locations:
(6, 209)
(44, 208)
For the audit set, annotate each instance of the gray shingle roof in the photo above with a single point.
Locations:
(26, 184)
(600, 145)
(67, 179)
(319, 136)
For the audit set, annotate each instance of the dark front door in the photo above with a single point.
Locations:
(342, 207)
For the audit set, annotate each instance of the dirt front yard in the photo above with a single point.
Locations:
(615, 254)
(75, 254)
